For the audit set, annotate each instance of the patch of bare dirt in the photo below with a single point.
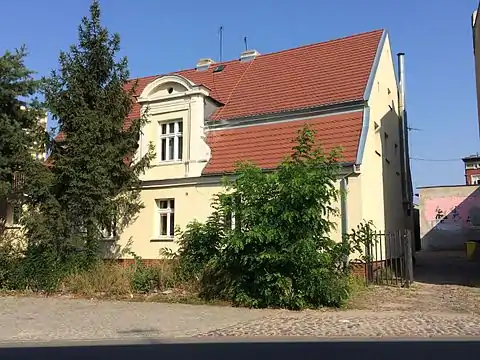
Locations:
(419, 297)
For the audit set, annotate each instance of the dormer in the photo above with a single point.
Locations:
(169, 87)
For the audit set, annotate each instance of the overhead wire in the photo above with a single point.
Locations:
(434, 160)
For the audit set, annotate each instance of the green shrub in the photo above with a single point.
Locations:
(277, 252)
(10, 257)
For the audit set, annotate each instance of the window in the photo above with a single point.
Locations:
(109, 230)
(471, 166)
(231, 219)
(166, 212)
(475, 179)
(171, 141)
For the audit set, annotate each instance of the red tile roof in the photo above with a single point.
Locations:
(267, 145)
(314, 75)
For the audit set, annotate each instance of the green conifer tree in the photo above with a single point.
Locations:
(21, 134)
(96, 178)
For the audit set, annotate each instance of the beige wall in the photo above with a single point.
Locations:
(381, 189)
(191, 202)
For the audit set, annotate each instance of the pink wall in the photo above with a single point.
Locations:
(449, 216)
(460, 210)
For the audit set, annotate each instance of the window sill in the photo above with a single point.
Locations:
(163, 239)
(172, 162)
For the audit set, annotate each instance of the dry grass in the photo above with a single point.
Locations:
(106, 279)
(113, 280)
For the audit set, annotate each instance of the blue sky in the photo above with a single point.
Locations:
(161, 36)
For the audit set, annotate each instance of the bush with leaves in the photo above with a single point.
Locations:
(278, 251)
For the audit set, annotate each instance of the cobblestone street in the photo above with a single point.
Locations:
(430, 308)
(358, 323)
(42, 319)
(45, 319)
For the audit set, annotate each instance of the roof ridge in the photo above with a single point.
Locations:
(323, 42)
(269, 54)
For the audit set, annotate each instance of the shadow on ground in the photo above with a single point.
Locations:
(446, 267)
(241, 349)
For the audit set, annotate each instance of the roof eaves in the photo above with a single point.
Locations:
(355, 104)
(471, 157)
(373, 70)
(366, 97)
(229, 173)
(363, 135)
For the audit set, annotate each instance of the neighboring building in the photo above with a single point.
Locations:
(472, 169)
(204, 120)
(449, 216)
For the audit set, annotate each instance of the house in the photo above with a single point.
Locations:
(203, 120)
(472, 169)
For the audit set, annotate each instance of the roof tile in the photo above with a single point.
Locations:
(267, 145)
(314, 75)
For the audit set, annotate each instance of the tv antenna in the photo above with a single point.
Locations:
(246, 44)
(221, 43)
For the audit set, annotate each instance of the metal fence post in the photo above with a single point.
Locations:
(408, 258)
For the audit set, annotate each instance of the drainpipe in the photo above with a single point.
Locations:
(343, 204)
(405, 168)
(344, 212)
(188, 140)
(407, 176)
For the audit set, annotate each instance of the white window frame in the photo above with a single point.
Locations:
(168, 212)
(230, 220)
(109, 234)
(475, 179)
(169, 137)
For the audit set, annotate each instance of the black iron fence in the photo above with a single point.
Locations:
(387, 259)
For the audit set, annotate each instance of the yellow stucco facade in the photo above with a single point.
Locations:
(373, 185)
